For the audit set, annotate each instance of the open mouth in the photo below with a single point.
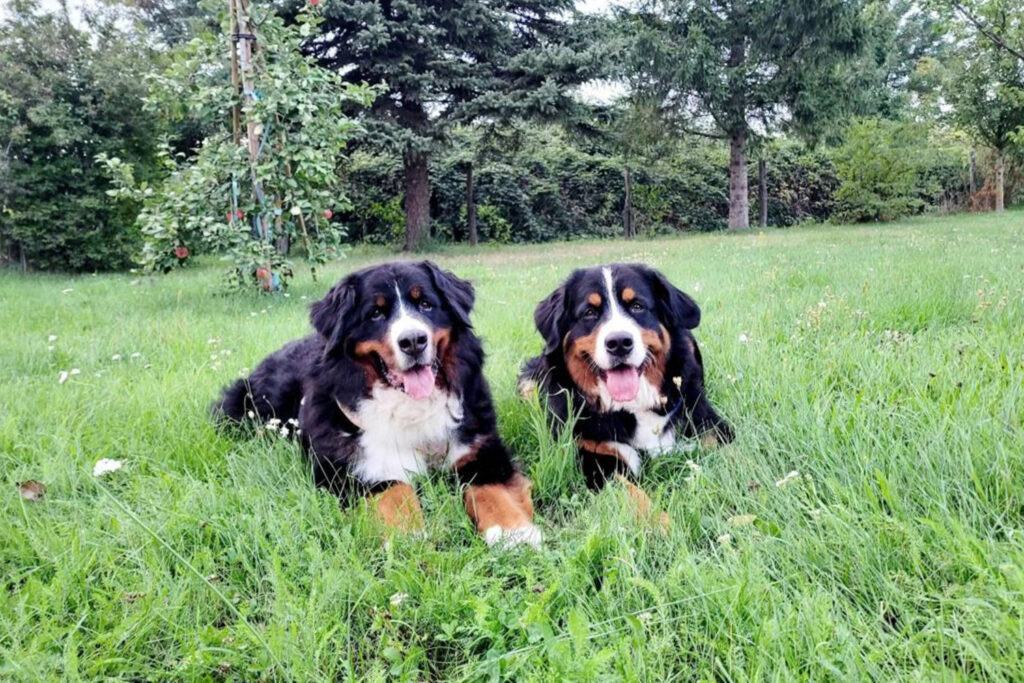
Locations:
(418, 381)
(623, 382)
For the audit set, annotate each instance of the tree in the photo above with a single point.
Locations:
(67, 94)
(249, 197)
(733, 67)
(986, 89)
(1000, 23)
(445, 63)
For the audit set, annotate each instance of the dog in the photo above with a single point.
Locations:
(620, 357)
(388, 386)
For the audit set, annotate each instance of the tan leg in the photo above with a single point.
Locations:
(398, 508)
(503, 513)
(643, 508)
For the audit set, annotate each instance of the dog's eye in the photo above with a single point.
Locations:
(590, 313)
(426, 305)
(636, 307)
(377, 313)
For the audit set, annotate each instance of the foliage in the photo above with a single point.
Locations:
(890, 169)
(449, 63)
(722, 66)
(801, 184)
(204, 204)
(66, 95)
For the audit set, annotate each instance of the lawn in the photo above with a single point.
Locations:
(868, 521)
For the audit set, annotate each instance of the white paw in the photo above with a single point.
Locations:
(509, 538)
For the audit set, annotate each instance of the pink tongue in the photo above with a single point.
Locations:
(623, 383)
(418, 383)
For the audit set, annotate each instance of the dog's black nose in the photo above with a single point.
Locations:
(413, 342)
(619, 344)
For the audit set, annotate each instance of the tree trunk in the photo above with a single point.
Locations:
(1000, 180)
(739, 199)
(972, 164)
(471, 207)
(417, 199)
(762, 190)
(627, 206)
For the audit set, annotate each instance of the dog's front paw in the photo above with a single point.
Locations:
(509, 538)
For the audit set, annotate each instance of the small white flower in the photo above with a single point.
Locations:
(136, 355)
(398, 598)
(788, 478)
(725, 540)
(273, 423)
(284, 432)
(296, 211)
(744, 338)
(75, 371)
(52, 338)
(303, 297)
(697, 286)
(293, 422)
(105, 466)
(66, 291)
(213, 340)
(253, 314)
(116, 356)
(63, 377)
(252, 415)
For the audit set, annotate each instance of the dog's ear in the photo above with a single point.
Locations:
(549, 317)
(457, 294)
(331, 316)
(677, 308)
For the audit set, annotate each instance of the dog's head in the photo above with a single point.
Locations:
(613, 324)
(399, 320)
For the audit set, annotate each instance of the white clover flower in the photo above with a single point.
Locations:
(63, 377)
(52, 338)
(116, 356)
(67, 291)
(105, 466)
(398, 598)
(75, 371)
(296, 211)
(136, 355)
(252, 415)
(744, 338)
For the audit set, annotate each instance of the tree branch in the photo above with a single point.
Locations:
(985, 30)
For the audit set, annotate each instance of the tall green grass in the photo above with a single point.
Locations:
(883, 364)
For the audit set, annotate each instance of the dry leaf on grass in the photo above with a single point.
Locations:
(32, 490)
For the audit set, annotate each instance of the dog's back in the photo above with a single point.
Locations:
(274, 389)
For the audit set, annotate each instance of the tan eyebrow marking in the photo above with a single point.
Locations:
(594, 299)
(628, 294)
(380, 301)
(416, 292)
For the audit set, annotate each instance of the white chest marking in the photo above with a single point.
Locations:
(403, 436)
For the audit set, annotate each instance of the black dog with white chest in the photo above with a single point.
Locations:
(390, 385)
(619, 353)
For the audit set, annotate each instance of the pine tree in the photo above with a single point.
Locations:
(445, 63)
(733, 67)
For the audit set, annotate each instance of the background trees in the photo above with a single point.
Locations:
(478, 129)
(446, 63)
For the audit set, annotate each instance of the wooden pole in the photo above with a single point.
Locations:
(235, 114)
(762, 190)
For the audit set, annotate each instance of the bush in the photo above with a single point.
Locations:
(890, 169)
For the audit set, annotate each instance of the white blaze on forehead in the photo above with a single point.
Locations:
(617, 322)
(402, 323)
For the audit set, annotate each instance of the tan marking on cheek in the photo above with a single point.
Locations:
(657, 344)
(507, 505)
(398, 508)
(576, 360)
(415, 293)
(595, 300)
(643, 509)
(364, 355)
(628, 294)
(446, 354)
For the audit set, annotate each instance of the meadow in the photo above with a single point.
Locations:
(867, 523)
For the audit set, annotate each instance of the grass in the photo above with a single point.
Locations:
(881, 363)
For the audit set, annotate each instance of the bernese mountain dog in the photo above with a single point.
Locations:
(390, 385)
(620, 358)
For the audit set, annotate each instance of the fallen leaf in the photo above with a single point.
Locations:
(32, 490)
